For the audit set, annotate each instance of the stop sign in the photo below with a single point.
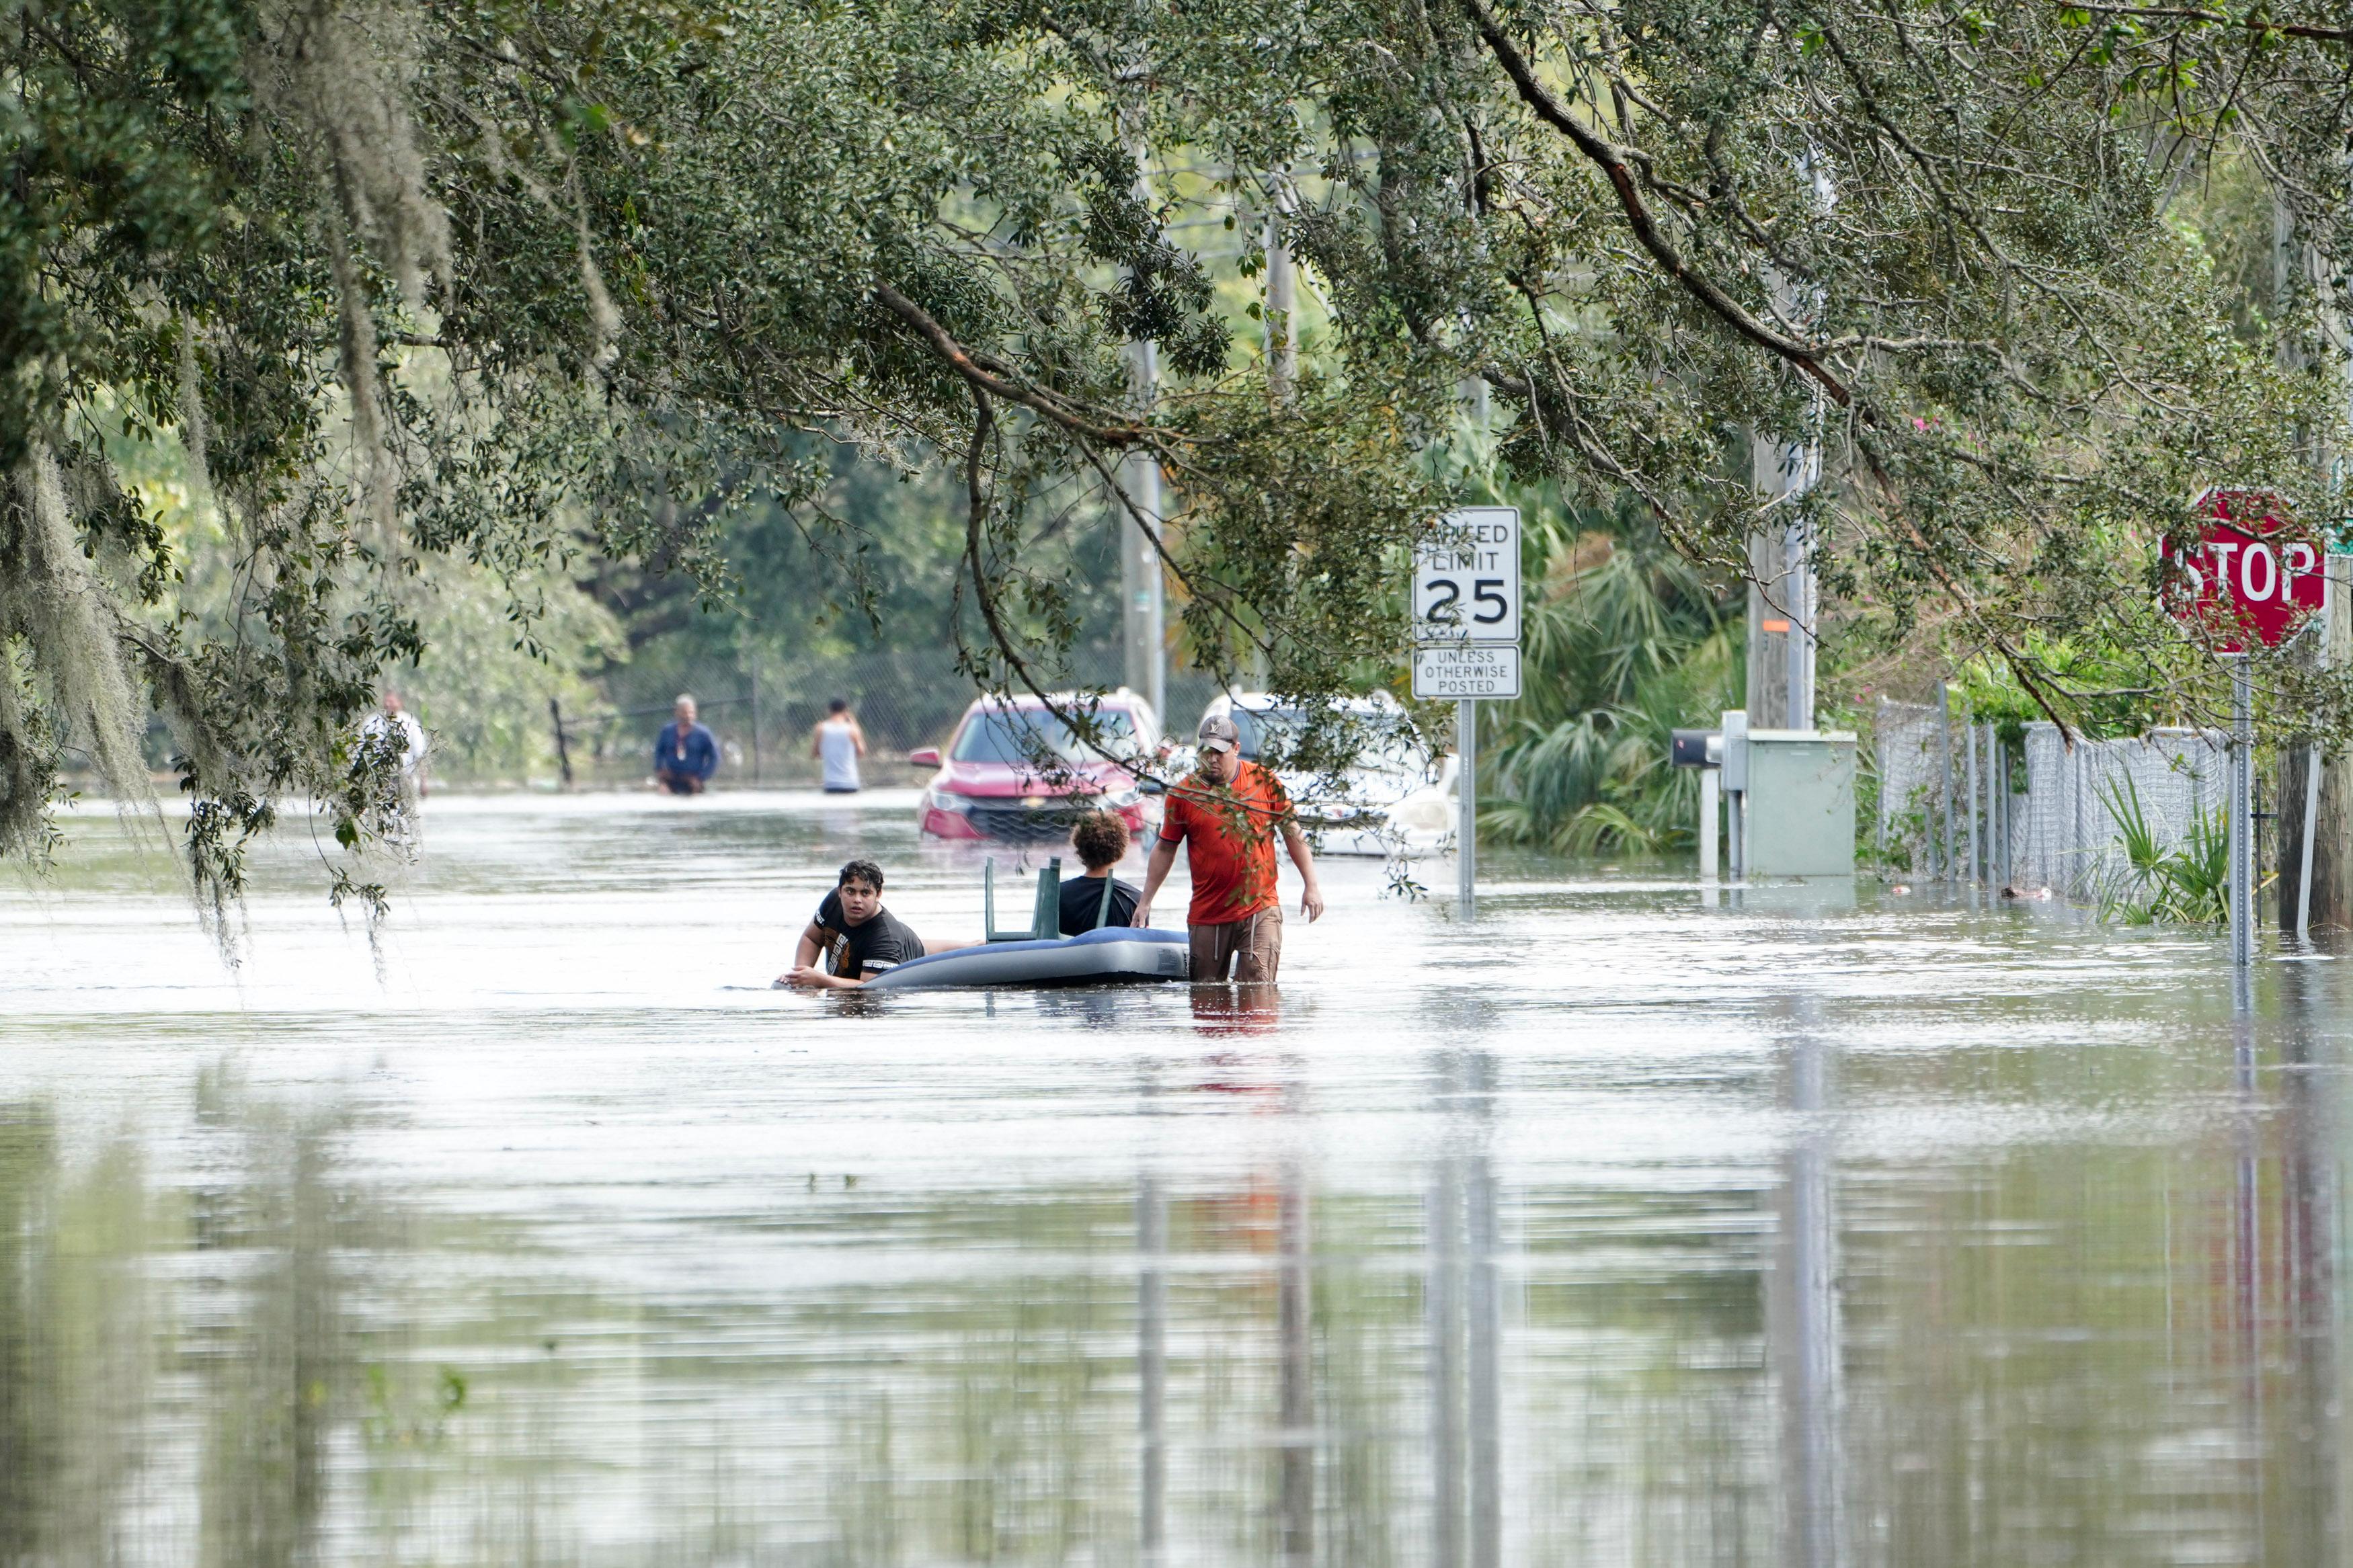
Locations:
(2242, 581)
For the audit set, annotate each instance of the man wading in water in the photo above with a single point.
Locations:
(855, 936)
(1227, 815)
(687, 754)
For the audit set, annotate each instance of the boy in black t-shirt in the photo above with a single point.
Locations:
(1101, 839)
(854, 934)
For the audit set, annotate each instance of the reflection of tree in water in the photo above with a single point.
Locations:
(274, 1358)
(28, 1405)
(260, 1333)
(71, 1305)
(2305, 1491)
(2136, 1334)
(1492, 1363)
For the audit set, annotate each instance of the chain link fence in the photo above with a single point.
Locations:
(1957, 801)
(1906, 751)
(763, 712)
(2071, 837)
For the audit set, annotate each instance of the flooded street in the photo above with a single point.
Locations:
(1613, 1228)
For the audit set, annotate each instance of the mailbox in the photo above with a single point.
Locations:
(1696, 748)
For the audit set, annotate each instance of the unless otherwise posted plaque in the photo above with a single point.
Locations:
(1466, 671)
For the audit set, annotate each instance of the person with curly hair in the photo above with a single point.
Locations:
(1101, 839)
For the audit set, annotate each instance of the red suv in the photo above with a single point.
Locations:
(991, 784)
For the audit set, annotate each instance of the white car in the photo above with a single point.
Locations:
(1396, 799)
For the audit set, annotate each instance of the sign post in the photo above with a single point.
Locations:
(2242, 838)
(1703, 750)
(2243, 585)
(1466, 806)
(1466, 646)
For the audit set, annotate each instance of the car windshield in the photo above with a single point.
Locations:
(1262, 727)
(1281, 727)
(1021, 735)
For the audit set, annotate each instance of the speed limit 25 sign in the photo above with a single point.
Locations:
(2250, 575)
(1466, 578)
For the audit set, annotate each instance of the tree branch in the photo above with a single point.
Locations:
(2027, 671)
(962, 361)
(1613, 160)
(1083, 725)
(2191, 13)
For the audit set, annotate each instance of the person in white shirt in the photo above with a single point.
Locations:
(408, 734)
(838, 742)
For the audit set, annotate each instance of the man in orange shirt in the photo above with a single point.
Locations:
(1227, 815)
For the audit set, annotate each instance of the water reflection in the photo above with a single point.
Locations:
(1619, 1232)
(1465, 1322)
(1801, 1304)
(259, 1357)
(2246, 1249)
(1295, 1350)
(1152, 1363)
(1231, 1010)
(2309, 1488)
(1272, 1401)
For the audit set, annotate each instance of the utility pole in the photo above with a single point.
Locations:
(1280, 318)
(1466, 723)
(1142, 594)
(2327, 899)
(1142, 614)
(2242, 824)
(1280, 311)
(2330, 902)
(2315, 790)
(1781, 590)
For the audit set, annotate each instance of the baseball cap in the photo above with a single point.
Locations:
(1217, 733)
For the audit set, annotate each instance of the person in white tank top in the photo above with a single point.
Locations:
(838, 742)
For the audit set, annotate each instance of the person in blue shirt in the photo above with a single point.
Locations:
(687, 755)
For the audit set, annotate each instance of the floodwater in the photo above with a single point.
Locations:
(1611, 1228)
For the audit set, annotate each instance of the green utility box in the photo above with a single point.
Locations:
(1800, 807)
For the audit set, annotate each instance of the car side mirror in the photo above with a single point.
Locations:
(924, 757)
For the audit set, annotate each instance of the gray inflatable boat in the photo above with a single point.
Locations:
(1109, 956)
(1038, 955)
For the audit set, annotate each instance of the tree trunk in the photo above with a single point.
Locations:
(2332, 849)
(2292, 756)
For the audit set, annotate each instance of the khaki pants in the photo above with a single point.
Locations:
(1250, 947)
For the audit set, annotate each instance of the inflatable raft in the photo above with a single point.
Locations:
(1108, 956)
(1038, 955)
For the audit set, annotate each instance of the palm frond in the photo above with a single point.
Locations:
(1622, 650)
